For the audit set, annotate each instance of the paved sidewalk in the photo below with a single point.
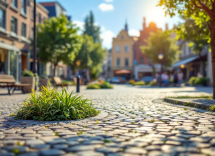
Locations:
(133, 125)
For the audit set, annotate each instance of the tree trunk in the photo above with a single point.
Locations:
(211, 26)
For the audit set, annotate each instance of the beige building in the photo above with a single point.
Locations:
(122, 55)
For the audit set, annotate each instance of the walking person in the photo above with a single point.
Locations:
(180, 78)
(175, 78)
(165, 78)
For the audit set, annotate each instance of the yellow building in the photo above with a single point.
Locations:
(122, 55)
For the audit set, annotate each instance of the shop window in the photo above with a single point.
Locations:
(2, 18)
(40, 18)
(24, 6)
(14, 25)
(3, 61)
(126, 62)
(23, 30)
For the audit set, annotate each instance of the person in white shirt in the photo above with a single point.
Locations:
(165, 78)
(180, 78)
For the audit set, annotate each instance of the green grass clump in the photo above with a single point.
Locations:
(68, 82)
(139, 83)
(152, 83)
(93, 86)
(212, 108)
(51, 105)
(101, 84)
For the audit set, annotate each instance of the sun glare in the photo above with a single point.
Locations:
(157, 15)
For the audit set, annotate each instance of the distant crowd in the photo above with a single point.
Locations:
(175, 78)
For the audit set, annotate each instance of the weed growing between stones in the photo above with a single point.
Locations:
(51, 105)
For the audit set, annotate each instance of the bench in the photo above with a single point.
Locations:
(58, 82)
(8, 81)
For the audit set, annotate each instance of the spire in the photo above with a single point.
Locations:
(144, 23)
(126, 25)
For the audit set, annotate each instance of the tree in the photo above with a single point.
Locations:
(90, 56)
(57, 41)
(157, 43)
(91, 29)
(202, 11)
(195, 35)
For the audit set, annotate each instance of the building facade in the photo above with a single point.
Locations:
(123, 54)
(142, 64)
(192, 64)
(16, 24)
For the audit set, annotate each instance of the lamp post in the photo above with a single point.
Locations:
(35, 44)
(160, 56)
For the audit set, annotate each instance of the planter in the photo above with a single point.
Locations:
(44, 82)
(28, 80)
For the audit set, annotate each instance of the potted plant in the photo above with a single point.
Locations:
(28, 78)
(44, 81)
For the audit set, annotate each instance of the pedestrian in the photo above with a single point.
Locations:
(165, 78)
(175, 78)
(180, 78)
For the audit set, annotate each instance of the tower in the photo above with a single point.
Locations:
(126, 26)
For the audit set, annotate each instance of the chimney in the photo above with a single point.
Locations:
(144, 23)
(167, 27)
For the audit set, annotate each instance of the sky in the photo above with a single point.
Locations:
(111, 15)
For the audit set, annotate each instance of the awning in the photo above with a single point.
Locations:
(123, 71)
(183, 62)
(8, 47)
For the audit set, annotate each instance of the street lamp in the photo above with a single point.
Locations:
(35, 44)
(160, 56)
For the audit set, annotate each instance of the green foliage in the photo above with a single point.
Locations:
(161, 43)
(198, 81)
(44, 76)
(191, 97)
(91, 29)
(68, 82)
(196, 36)
(212, 108)
(28, 73)
(106, 85)
(139, 83)
(102, 84)
(51, 105)
(57, 40)
(93, 86)
(131, 81)
(91, 55)
(153, 83)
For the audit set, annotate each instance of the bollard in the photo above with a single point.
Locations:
(78, 84)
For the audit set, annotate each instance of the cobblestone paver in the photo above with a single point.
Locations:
(134, 125)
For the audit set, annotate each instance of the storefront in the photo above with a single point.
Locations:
(9, 60)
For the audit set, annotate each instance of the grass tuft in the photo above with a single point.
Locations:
(51, 105)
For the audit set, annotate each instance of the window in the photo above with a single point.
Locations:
(118, 62)
(2, 18)
(40, 18)
(23, 30)
(14, 25)
(149, 61)
(126, 48)
(126, 62)
(122, 37)
(24, 6)
(118, 48)
(141, 61)
(14, 3)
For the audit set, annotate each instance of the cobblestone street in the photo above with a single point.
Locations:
(133, 122)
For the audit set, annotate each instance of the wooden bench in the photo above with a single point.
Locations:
(8, 81)
(58, 82)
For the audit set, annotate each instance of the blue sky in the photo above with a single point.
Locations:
(111, 15)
